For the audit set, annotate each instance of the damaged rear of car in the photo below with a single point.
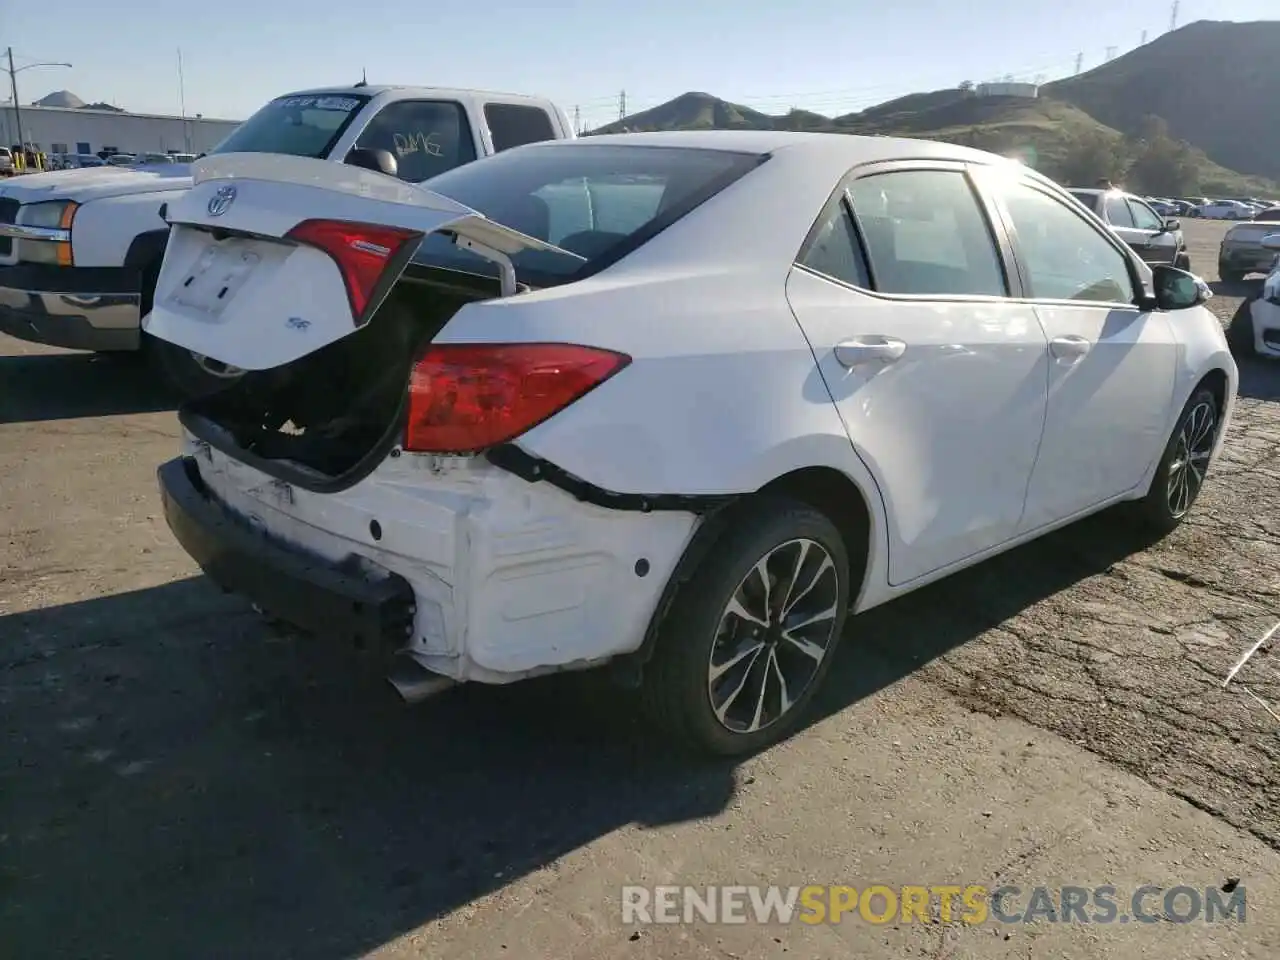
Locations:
(336, 479)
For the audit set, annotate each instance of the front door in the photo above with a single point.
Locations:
(938, 375)
(1112, 366)
(1161, 244)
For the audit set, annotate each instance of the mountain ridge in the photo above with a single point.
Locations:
(1110, 103)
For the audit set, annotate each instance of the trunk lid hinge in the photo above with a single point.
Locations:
(507, 269)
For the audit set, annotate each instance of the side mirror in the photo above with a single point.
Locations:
(380, 161)
(1271, 241)
(1177, 289)
(1171, 225)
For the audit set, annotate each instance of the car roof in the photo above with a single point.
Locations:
(849, 148)
(406, 90)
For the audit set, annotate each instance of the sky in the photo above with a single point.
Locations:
(831, 56)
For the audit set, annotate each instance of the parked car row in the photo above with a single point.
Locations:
(676, 404)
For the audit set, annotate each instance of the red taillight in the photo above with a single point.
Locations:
(466, 397)
(362, 252)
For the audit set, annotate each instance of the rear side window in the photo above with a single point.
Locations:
(596, 201)
(1118, 214)
(926, 235)
(513, 125)
(834, 250)
(427, 137)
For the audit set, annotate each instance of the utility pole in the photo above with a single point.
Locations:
(1144, 38)
(17, 110)
(1079, 62)
(1173, 16)
(182, 105)
(577, 120)
(1111, 52)
(622, 105)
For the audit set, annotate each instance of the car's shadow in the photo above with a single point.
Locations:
(65, 386)
(1248, 287)
(1259, 376)
(178, 783)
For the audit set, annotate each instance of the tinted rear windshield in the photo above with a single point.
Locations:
(599, 202)
(306, 126)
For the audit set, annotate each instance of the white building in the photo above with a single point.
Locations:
(82, 130)
(1008, 88)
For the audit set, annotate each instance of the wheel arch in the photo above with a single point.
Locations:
(854, 510)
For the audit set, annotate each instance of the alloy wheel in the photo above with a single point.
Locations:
(1190, 458)
(773, 635)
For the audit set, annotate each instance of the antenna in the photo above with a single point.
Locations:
(364, 78)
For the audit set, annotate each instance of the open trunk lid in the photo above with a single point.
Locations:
(271, 257)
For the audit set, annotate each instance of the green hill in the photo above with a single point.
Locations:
(1212, 84)
(1217, 85)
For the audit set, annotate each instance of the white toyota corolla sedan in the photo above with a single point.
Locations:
(677, 403)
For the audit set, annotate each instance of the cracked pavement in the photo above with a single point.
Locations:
(177, 779)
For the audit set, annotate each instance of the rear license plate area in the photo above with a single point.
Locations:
(218, 274)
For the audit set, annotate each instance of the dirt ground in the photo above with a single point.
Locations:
(177, 780)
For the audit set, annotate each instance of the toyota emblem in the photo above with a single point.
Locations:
(221, 201)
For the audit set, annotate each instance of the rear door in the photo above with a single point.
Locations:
(272, 257)
(1161, 245)
(938, 374)
(1111, 365)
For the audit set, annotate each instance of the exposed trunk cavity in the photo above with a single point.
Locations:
(324, 420)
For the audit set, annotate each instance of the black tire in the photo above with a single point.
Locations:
(178, 368)
(1163, 508)
(676, 692)
(1183, 261)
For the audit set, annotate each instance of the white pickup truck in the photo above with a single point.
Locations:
(80, 250)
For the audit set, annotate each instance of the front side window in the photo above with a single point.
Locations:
(1144, 218)
(514, 125)
(1118, 214)
(427, 137)
(926, 234)
(596, 201)
(1065, 258)
(304, 126)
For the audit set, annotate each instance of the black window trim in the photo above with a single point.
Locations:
(477, 148)
(1142, 286)
(1013, 279)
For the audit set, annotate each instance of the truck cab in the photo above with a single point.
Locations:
(80, 250)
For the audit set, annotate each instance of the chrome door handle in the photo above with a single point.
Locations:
(1069, 348)
(871, 349)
